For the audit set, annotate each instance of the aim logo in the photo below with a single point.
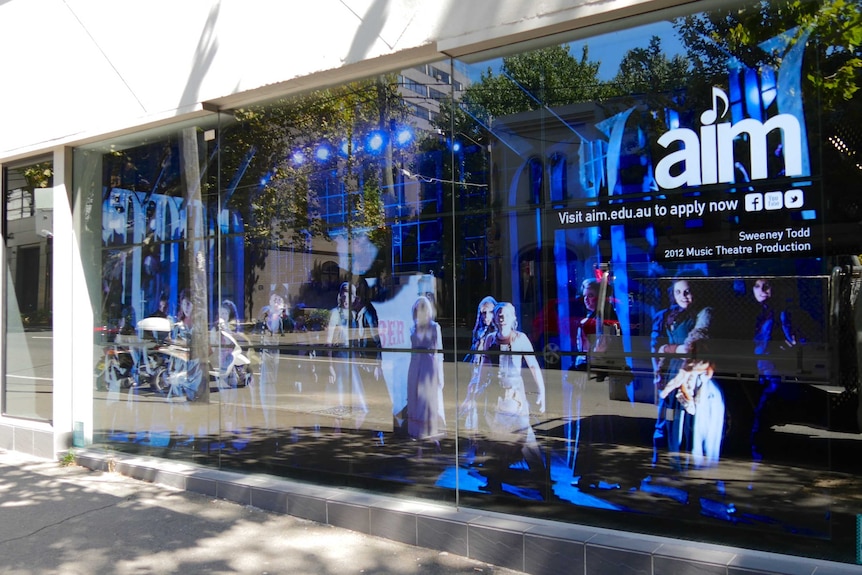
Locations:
(708, 157)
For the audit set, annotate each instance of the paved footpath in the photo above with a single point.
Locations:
(71, 520)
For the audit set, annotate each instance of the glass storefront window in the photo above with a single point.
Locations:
(671, 208)
(147, 210)
(29, 377)
(614, 277)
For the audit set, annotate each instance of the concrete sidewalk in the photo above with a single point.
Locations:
(70, 520)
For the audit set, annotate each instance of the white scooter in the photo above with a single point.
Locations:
(232, 367)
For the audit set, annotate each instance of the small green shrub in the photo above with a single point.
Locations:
(68, 459)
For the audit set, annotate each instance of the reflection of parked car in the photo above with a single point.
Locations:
(546, 331)
(550, 347)
(105, 334)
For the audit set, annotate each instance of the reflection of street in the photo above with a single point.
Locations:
(600, 460)
(30, 374)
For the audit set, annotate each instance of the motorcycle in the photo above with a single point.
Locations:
(125, 363)
(168, 370)
(115, 370)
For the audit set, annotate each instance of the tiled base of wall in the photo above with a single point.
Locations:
(530, 545)
(39, 443)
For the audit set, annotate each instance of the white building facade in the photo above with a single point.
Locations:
(598, 257)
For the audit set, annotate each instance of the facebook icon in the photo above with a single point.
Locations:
(753, 202)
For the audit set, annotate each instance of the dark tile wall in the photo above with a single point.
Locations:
(533, 546)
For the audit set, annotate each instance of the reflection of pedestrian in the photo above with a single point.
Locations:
(576, 380)
(774, 336)
(483, 327)
(185, 316)
(676, 331)
(287, 324)
(190, 370)
(345, 390)
(366, 339)
(162, 307)
(425, 417)
(497, 387)
(227, 334)
(228, 313)
(587, 327)
(269, 358)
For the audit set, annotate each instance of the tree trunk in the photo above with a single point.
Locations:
(196, 264)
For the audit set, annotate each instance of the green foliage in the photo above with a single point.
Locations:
(554, 77)
(68, 459)
(40, 317)
(835, 29)
(369, 212)
(287, 211)
(649, 70)
(527, 81)
(39, 175)
(265, 142)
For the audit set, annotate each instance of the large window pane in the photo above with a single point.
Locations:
(345, 229)
(664, 212)
(149, 220)
(323, 228)
(614, 277)
(29, 376)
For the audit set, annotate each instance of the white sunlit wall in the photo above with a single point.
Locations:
(611, 273)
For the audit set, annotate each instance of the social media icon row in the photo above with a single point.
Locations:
(774, 200)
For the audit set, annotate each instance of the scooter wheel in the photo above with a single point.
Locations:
(239, 377)
(159, 382)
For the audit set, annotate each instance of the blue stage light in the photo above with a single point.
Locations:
(456, 146)
(375, 142)
(322, 153)
(404, 136)
(298, 158)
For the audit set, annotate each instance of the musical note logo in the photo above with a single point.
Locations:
(710, 116)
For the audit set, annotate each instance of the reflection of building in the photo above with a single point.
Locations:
(28, 228)
(424, 87)
(28, 233)
(212, 193)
